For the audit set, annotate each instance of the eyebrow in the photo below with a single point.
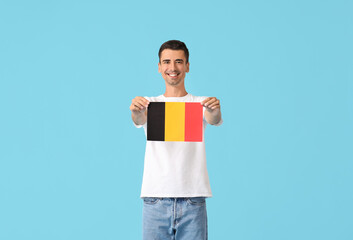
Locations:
(168, 60)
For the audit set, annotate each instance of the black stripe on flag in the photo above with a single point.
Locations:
(155, 121)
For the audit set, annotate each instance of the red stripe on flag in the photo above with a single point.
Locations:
(193, 122)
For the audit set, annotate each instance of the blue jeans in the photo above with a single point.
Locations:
(174, 218)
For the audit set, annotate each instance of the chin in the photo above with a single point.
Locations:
(174, 83)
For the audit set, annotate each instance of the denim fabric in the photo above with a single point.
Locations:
(174, 218)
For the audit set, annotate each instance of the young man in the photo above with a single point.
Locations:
(175, 179)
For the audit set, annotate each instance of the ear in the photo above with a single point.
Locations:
(187, 67)
(159, 67)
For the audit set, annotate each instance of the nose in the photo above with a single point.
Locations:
(172, 66)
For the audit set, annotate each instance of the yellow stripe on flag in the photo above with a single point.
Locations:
(174, 121)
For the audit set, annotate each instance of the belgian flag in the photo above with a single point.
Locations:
(175, 121)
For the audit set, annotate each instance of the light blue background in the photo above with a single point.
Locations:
(71, 161)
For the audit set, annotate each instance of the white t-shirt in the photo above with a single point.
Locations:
(175, 169)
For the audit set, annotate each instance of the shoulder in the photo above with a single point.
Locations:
(197, 98)
(155, 99)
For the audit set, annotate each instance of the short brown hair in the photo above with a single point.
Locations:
(174, 45)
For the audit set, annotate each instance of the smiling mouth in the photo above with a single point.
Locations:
(173, 74)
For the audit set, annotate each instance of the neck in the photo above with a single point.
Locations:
(175, 91)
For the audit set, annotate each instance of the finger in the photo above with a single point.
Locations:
(133, 108)
(204, 101)
(211, 101)
(143, 103)
(138, 105)
(213, 104)
(143, 100)
(208, 102)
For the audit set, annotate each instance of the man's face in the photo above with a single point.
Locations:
(173, 66)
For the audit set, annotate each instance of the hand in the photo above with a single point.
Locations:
(211, 104)
(139, 105)
(213, 110)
